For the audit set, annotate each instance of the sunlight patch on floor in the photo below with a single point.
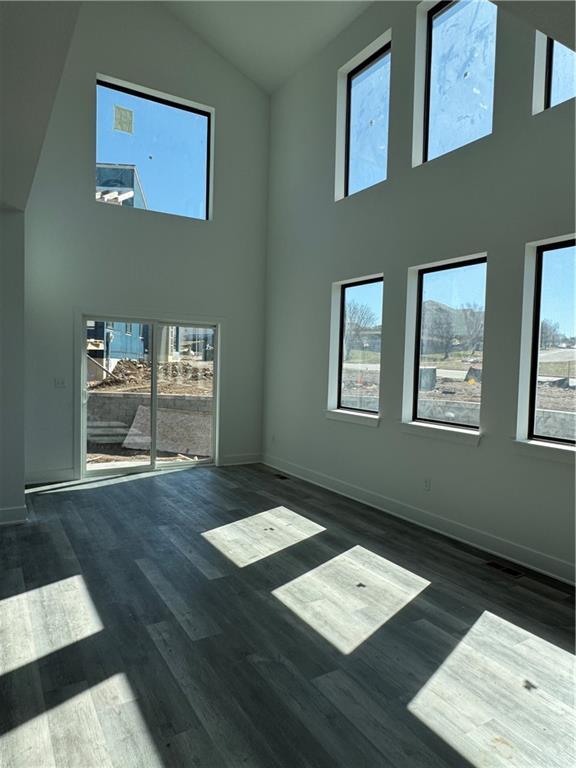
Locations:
(98, 727)
(37, 622)
(258, 536)
(351, 596)
(503, 697)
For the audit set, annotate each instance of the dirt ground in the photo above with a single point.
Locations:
(103, 454)
(194, 377)
(550, 396)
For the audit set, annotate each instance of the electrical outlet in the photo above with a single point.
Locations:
(427, 484)
(59, 383)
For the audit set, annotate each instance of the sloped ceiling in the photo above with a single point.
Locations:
(34, 42)
(556, 18)
(267, 41)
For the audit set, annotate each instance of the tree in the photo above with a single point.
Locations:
(443, 330)
(473, 319)
(357, 318)
(549, 333)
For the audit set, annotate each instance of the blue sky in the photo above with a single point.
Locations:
(456, 287)
(167, 145)
(462, 75)
(369, 110)
(370, 294)
(559, 289)
(563, 74)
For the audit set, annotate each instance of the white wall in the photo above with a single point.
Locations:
(33, 47)
(514, 186)
(86, 256)
(12, 508)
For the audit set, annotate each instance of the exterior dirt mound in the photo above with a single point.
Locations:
(178, 377)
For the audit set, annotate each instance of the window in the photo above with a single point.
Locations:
(552, 414)
(449, 343)
(560, 73)
(151, 152)
(368, 106)
(461, 52)
(359, 345)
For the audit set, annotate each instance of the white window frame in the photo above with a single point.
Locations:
(176, 100)
(424, 428)
(526, 342)
(332, 410)
(342, 106)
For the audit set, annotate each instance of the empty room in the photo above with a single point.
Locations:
(287, 384)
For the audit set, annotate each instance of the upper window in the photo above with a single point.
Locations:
(560, 73)
(553, 378)
(359, 345)
(461, 52)
(151, 152)
(368, 106)
(450, 343)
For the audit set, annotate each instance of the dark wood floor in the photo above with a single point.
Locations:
(127, 638)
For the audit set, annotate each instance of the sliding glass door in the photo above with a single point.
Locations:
(148, 395)
(185, 393)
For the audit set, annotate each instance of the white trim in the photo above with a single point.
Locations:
(542, 450)
(231, 459)
(410, 334)
(525, 363)
(334, 343)
(459, 435)
(353, 417)
(145, 91)
(420, 53)
(539, 561)
(13, 515)
(47, 476)
(539, 80)
(341, 107)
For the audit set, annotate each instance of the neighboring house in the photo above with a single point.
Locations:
(119, 184)
(108, 342)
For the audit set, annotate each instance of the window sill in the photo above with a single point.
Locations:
(459, 435)
(541, 450)
(354, 417)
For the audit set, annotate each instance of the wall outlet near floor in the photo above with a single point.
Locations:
(59, 383)
(427, 484)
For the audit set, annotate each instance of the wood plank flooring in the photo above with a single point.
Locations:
(164, 620)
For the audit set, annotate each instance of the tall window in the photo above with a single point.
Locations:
(553, 378)
(151, 152)
(461, 52)
(368, 105)
(450, 343)
(560, 73)
(359, 345)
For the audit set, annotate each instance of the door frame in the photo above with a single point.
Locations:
(80, 412)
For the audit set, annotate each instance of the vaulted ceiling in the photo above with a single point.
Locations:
(269, 40)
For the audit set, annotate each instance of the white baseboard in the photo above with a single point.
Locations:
(48, 476)
(11, 515)
(495, 545)
(239, 458)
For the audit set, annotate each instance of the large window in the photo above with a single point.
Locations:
(359, 345)
(553, 377)
(151, 152)
(368, 103)
(449, 343)
(560, 73)
(461, 51)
